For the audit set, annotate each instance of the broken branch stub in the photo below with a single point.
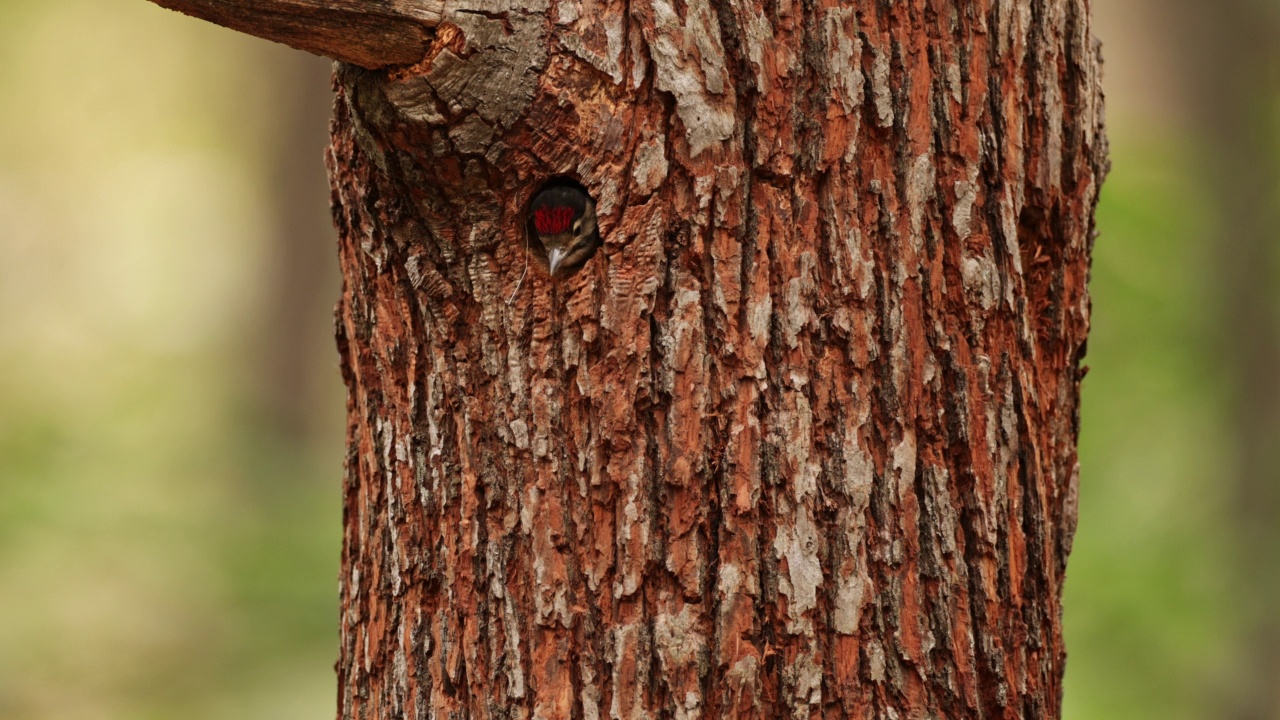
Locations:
(370, 33)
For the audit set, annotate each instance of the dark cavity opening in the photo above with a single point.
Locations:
(535, 244)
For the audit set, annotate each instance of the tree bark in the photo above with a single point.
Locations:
(799, 441)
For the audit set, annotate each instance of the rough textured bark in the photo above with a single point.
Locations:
(799, 441)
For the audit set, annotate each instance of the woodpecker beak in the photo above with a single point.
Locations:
(554, 257)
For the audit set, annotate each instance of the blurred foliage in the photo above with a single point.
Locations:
(1148, 578)
(165, 552)
(162, 553)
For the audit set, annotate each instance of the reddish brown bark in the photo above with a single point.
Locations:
(799, 441)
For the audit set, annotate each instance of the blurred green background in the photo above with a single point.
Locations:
(171, 411)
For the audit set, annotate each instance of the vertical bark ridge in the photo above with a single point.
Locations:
(800, 440)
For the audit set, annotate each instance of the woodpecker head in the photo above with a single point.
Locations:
(563, 218)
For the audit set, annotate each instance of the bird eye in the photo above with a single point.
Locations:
(577, 225)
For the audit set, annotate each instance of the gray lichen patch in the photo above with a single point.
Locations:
(904, 462)
(650, 167)
(689, 61)
(798, 545)
(845, 53)
(629, 646)
(678, 640)
(851, 590)
(981, 279)
(802, 686)
(920, 189)
(758, 35)
(962, 212)
(859, 470)
(880, 88)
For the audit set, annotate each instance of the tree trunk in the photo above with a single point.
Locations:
(800, 439)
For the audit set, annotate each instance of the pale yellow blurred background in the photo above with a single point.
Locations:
(170, 406)
(171, 412)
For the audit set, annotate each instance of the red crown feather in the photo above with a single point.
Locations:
(553, 220)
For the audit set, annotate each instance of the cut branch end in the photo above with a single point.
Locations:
(370, 33)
